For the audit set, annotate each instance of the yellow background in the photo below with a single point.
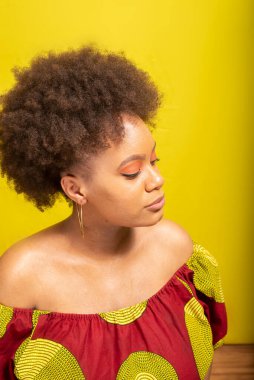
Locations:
(199, 54)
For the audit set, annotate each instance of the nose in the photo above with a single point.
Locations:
(154, 179)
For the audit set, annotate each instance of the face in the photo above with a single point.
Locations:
(125, 180)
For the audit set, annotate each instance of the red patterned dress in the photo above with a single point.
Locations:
(171, 335)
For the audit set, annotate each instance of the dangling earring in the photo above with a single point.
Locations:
(80, 219)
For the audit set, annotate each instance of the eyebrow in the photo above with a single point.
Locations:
(135, 157)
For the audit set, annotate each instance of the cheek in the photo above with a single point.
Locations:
(120, 193)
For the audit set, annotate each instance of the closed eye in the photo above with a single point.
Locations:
(134, 175)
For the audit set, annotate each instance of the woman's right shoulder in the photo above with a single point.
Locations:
(20, 266)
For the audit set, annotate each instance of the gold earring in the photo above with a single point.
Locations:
(80, 219)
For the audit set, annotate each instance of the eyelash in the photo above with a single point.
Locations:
(131, 176)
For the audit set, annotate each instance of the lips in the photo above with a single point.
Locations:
(156, 201)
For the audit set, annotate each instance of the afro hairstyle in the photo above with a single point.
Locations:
(64, 108)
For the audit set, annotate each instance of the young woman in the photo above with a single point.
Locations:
(114, 291)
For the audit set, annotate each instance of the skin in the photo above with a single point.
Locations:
(57, 269)
(122, 237)
(113, 204)
(120, 233)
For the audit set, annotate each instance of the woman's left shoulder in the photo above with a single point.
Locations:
(174, 237)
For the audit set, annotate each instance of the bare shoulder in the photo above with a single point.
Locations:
(20, 267)
(174, 238)
(15, 273)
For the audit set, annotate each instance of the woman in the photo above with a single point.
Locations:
(115, 291)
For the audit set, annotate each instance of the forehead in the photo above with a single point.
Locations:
(136, 131)
(137, 140)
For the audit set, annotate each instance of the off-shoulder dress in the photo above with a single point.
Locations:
(171, 335)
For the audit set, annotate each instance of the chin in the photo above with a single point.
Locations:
(157, 217)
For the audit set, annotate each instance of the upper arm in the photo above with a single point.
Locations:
(16, 278)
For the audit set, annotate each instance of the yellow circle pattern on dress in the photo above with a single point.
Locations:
(218, 344)
(125, 315)
(187, 286)
(144, 365)
(44, 359)
(35, 317)
(200, 335)
(206, 276)
(145, 375)
(6, 314)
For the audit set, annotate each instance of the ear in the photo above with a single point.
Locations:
(74, 189)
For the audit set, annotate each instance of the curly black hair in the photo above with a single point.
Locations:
(64, 108)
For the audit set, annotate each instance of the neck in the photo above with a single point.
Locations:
(101, 241)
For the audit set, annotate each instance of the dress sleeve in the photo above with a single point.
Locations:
(208, 287)
(15, 327)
